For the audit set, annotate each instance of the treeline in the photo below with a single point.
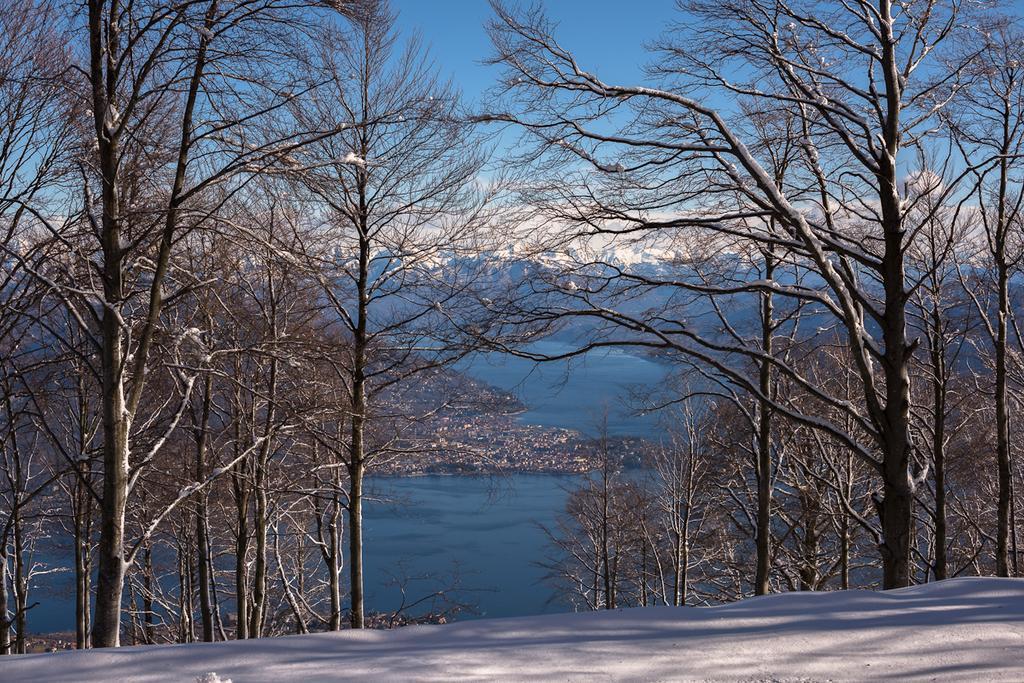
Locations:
(238, 236)
(683, 528)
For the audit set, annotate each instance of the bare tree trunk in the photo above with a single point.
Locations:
(110, 552)
(845, 535)
(149, 629)
(896, 509)
(218, 619)
(241, 566)
(355, 539)
(202, 542)
(684, 555)
(336, 563)
(897, 490)
(356, 465)
(183, 592)
(20, 583)
(204, 573)
(677, 569)
(259, 570)
(5, 613)
(606, 565)
(82, 503)
(240, 488)
(261, 520)
(186, 588)
(331, 548)
(1014, 552)
(764, 444)
(811, 542)
(939, 447)
(1001, 398)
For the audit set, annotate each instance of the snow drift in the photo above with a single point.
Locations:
(968, 629)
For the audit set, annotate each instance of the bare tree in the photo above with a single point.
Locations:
(939, 312)
(149, 71)
(658, 159)
(400, 197)
(988, 122)
(33, 137)
(681, 491)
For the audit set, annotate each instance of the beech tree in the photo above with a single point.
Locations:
(193, 74)
(398, 187)
(681, 490)
(660, 157)
(987, 122)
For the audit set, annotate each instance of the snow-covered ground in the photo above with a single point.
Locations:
(962, 629)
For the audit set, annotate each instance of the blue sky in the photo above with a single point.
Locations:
(606, 35)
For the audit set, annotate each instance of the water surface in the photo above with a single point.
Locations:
(484, 530)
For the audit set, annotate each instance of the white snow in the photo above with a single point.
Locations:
(212, 677)
(353, 159)
(968, 629)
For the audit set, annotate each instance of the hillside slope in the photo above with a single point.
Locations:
(962, 629)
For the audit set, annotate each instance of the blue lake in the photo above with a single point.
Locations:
(575, 393)
(484, 529)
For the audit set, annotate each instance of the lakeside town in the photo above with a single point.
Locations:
(486, 435)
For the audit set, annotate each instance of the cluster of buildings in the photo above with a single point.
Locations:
(484, 435)
(483, 443)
